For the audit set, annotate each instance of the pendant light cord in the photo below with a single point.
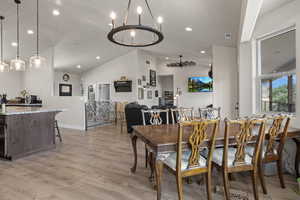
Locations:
(2, 18)
(37, 28)
(18, 35)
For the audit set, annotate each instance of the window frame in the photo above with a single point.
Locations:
(259, 76)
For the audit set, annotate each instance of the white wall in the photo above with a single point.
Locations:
(126, 65)
(144, 70)
(73, 115)
(269, 23)
(181, 76)
(75, 81)
(11, 84)
(225, 72)
(40, 81)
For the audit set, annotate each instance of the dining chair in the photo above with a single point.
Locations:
(182, 114)
(210, 113)
(187, 160)
(272, 148)
(120, 114)
(153, 117)
(233, 158)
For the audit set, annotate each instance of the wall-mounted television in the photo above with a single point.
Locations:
(200, 84)
(123, 86)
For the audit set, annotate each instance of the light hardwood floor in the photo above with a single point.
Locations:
(95, 165)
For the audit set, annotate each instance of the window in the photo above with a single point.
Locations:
(276, 73)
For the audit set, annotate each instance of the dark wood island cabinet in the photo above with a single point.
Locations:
(25, 131)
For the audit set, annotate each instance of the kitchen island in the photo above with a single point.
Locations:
(26, 130)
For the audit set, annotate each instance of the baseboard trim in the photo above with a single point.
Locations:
(71, 127)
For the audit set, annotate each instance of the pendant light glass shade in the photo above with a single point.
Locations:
(37, 61)
(3, 66)
(18, 64)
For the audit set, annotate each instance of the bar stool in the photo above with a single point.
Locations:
(58, 131)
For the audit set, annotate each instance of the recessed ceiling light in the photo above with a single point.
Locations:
(188, 29)
(30, 32)
(14, 44)
(167, 58)
(98, 57)
(55, 12)
(78, 66)
(203, 52)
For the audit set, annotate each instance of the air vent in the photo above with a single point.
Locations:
(227, 36)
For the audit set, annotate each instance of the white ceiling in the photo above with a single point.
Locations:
(270, 5)
(78, 35)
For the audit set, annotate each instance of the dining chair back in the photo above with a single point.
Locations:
(210, 113)
(182, 115)
(236, 158)
(272, 148)
(276, 132)
(155, 117)
(187, 161)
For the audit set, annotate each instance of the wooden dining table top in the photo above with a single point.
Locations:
(164, 137)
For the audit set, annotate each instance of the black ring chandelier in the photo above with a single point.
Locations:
(126, 35)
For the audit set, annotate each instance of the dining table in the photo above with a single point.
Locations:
(162, 139)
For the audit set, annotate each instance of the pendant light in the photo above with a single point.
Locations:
(37, 61)
(18, 64)
(3, 66)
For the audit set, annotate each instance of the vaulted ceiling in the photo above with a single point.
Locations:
(79, 33)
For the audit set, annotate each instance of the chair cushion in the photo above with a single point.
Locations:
(171, 161)
(218, 157)
(250, 150)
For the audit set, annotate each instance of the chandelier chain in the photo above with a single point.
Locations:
(18, 34)
(37, 28)
(127, 13)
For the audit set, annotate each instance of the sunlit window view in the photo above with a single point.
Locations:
(277, 75)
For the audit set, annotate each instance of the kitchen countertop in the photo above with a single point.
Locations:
(11, 110)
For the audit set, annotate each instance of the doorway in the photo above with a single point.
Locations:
(166, 96)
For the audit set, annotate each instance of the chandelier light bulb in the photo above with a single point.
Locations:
(139, 10)
(160, 20)
(132, 34)
(113, 15)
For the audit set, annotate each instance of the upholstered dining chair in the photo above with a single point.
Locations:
(231, 159)
(153, 117)
(187, 160)
(210, 113)
(182, 114)
(272, 148)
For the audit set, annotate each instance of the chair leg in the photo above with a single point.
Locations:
(254, 183)
(121, 127)
(58, 131)
(151, 159)
(146, 157)
(226, 185)
(179, 187)
(208, 186)
(262, 178)
(280, 174)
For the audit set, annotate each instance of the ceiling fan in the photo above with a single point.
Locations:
(182, 63)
